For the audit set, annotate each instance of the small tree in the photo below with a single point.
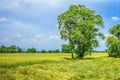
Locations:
(43, 51)
(56, 51)
(113, 42)
(50, 51)
(12, 49)
(31, 50)
(3, 49)
(80, 26)
(19, 50)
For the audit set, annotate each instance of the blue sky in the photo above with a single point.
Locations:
(33, 23)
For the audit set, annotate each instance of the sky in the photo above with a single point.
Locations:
(33, 23)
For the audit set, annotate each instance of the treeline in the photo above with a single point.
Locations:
(16, 49)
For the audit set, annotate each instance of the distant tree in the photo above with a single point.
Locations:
(0, 49)
(43, 51)
(3, 49)
(80, 26)
(28, 50)
(12, 49)
(113, 41)
(56, 51)
(19, 50)
(50, 51)
(31, 50)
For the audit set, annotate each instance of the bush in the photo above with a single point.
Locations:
(113, 44)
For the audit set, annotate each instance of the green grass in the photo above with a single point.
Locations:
(58, 67)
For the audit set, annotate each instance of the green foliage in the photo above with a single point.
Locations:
(10, 49)
(113, 45)
(19, 50)
(3, 49)
(65, 48)
(50, 51)
(115, 31)
(80, 26)
(56, 51)
(113, 41)
(43, 51)
(31, 50)
(16, 49)
(57, 67)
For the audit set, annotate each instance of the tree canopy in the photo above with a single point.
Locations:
(115, 31)
(113, 41)
(80, 26)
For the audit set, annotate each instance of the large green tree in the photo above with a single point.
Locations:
(113, 41)
(115, 31)
(80, 26)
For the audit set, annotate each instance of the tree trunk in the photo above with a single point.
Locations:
(72, 55)
(80, 56)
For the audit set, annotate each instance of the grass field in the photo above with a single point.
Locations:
(58, 67)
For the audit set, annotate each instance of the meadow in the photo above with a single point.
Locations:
(58, 66)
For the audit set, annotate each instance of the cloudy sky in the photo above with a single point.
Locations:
(33, 23)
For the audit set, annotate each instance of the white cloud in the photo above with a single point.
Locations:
(18, 35)
(16, 30)
(10, 4)
(114, 18)
(36, 4)
(19, 27)
(4, 40)
(38, 38)
(52, 3)
(54, 37)
(31, 8)
(41, 41)
(3, 19)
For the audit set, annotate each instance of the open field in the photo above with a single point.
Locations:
(58, 67)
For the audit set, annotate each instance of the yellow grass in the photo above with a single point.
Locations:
(58, 67)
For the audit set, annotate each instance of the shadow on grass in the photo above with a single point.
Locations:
(79, 58)
(89, 58)
(117, 79)
(7, 66)
(68, 58)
